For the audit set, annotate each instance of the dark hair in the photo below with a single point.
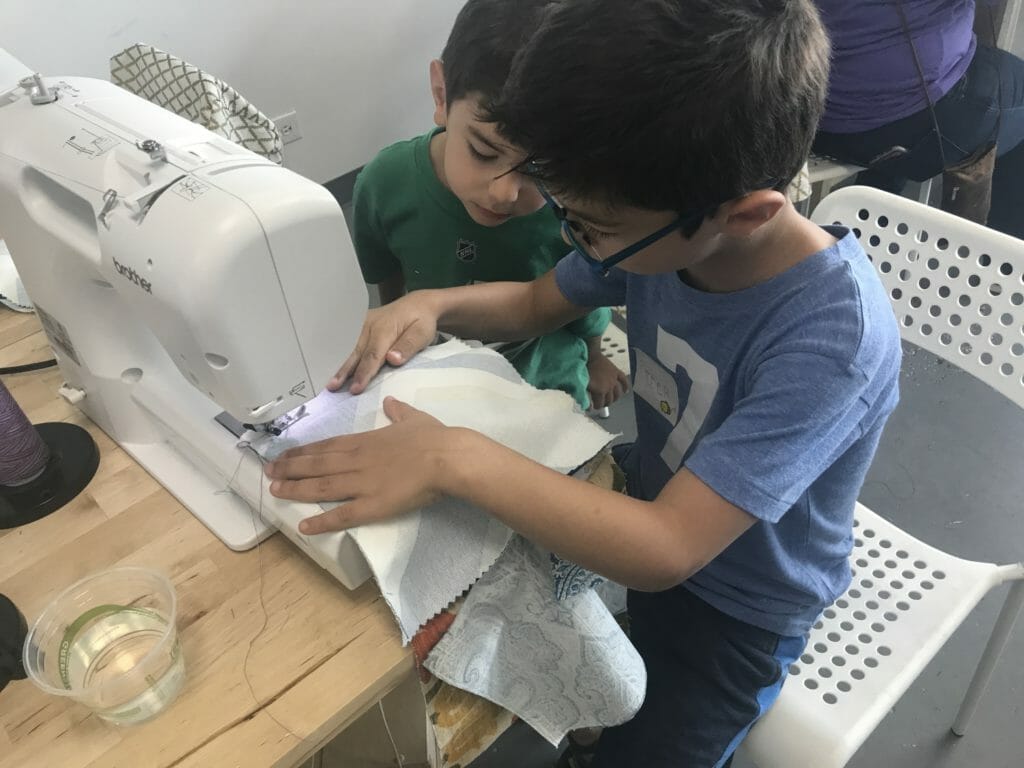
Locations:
(674, 105)
(485, 39)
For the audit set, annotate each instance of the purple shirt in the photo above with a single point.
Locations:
(874, 80)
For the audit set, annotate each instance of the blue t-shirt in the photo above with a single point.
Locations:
(775, 397)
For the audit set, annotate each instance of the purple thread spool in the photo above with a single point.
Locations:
(23, 454)
(42, 466)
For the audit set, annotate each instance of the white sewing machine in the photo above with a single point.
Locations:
(178, 275)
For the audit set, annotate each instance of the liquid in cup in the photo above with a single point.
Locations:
(110, 642)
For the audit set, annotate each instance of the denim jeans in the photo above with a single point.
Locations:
(988, 99)
(709, 677)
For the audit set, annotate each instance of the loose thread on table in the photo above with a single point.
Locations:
(259, 589)
(399, 758)
(258, 512)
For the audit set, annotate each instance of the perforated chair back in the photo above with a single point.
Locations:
(957, 287)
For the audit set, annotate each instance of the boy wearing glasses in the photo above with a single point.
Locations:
(764, 351)
(449, 208)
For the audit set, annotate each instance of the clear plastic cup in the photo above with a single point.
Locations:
(110, 643)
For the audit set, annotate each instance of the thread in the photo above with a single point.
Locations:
(399, 757)
(23, 454)
(257, 516)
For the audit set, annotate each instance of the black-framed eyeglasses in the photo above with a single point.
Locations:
(688, 223)
(574, 234)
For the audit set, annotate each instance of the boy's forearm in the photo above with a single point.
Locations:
(504, 311)
(622, 538)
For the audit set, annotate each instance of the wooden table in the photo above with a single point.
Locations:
(320, 655)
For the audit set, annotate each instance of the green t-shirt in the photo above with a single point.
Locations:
(405, 219)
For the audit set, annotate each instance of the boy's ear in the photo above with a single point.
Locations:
(439, 92)
(745, 214)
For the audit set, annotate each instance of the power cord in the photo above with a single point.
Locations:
(28, 367)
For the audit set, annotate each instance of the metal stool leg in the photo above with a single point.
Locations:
(925, 192)
(996, 643)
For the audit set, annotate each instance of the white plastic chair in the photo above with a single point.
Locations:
(615, 347)
(958, 291)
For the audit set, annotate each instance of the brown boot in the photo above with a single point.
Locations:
(967, 186)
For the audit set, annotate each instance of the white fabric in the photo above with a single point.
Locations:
(426, 559)
(557, 664)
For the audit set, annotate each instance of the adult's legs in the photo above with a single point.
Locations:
(1004, 73)
(1007, 211)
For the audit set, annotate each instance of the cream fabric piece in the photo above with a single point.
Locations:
(424, 560)
(557, 664)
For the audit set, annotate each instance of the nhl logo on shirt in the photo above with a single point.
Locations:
(465, 250)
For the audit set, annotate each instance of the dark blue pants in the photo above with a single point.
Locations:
(709, 677)
(985, 106)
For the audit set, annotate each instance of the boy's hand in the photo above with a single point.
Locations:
(380, 474)
(391, 334)
(607, 382)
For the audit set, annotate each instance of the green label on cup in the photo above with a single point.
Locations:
(71, 633)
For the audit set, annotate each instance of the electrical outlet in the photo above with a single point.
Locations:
(288, 125)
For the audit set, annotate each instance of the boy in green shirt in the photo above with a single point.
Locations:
(448, 208)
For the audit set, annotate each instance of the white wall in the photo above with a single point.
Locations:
(354, 70)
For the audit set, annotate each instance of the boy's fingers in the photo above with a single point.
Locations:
(337, 519)
(308, 466)
(371, 362)
(372, 359)
(348, 515)
(396, 410)
(314, 489)
(414, 338)
(350, 362)
(346, 368)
